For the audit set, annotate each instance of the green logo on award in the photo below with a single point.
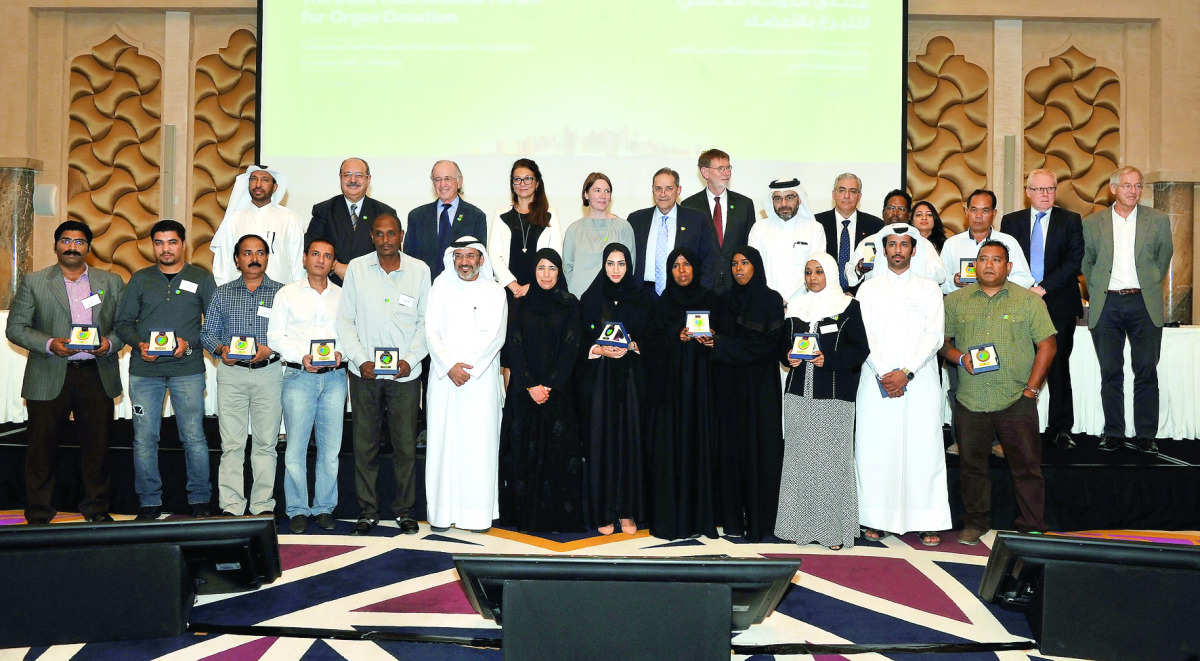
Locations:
(386, 359)
(698, 322)
(805, 343)
(83, 335)
(609, 331)
(323, 350)
(984, 355)
(161, 339)
(241, 345)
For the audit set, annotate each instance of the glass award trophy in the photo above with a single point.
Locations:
(613, 335)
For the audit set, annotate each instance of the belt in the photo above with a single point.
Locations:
(320, 370)
(259, 365)
(1123, 292)
(81, 363)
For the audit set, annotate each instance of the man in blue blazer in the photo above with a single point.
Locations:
(432, 227)
(665, 226)
(345, 220)
(60, 381)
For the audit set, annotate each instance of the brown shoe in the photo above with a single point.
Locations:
(970, 536)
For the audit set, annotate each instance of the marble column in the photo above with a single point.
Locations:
(16, 222)
(1177, 199)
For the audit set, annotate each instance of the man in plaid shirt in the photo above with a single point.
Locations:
(249, 389)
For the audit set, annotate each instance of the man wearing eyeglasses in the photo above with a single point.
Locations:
(896, 205)
(1051, 239)
(433, 227)
(60, 381)
(846, 226)
(346, 219)
(1126, 254)
(732, 214)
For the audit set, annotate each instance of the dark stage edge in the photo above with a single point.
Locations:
(1086, 488)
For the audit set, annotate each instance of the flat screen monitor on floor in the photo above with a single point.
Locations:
(756, 584)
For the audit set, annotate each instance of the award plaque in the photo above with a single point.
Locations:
(697, 323)
(323, 352)
(966, 270)
(613, 335)
(84, 337)
(884, 392)
(162, 342)
(868, 260)
(387, 360)
(804, 346)
(984, 358)
(242, 347)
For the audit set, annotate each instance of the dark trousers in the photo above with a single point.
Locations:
(1017, 427)
(1124, 315)
(1058, 378)
(371, 400)
(83, 395)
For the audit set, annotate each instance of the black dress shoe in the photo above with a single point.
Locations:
(408, 525)
(363, 527)
(100, 517)
(150, 513)
(298, 524)
(325, 521)
(228, 513)
(1148, 445)
(1064, 441)
(1110, 443)
(439, 528)
(201, 510)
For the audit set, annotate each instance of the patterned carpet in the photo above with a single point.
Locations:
(894, 591)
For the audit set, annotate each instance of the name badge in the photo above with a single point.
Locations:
(828, 328)
(264, 312)
(188, 286)
(91, 301)
(406, 300)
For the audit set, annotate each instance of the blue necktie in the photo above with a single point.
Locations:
(661, 249)
(844, 254)
(1037, 249)
(444, 228)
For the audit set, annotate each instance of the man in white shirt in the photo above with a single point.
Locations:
(313, 395)
(787, 236)
(981, 211)
(845, 226)
(255, 207)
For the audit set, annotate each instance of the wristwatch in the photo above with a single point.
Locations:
(910, 375)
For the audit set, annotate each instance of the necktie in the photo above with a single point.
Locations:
(717, 220)
(444, 227)
(1037, 249)
(661, 248)
(844, 254)
(354, 216)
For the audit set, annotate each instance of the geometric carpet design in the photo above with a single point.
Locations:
(892, 591)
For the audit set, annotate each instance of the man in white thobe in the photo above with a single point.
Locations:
(786, 237)
(901, 468)
(255, 207)
(464, 326)
(925, 259)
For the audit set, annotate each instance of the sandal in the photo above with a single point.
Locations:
(835, 547)
(930, 538)
(873, 534)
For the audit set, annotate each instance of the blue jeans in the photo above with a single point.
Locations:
(312, 400)
(147, 393)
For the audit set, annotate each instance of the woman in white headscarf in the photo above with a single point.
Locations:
(818, 500)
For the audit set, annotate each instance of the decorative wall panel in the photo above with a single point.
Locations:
(1073, 128)
(223, 143)
(114, 148)
(947, 130)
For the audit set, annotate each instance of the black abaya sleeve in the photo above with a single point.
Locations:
(515, 346)
(568, 351)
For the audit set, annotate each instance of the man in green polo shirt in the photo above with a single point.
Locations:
(1007, 344)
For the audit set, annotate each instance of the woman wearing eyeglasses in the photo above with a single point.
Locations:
(516, 235)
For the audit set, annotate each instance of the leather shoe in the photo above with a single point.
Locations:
(363, 527)
(325, 521)
(1148, 445)
(439, 528)
(479, 531)
(1110, 443)
(201, 510)
(298, 524)
(1064, 441)
(227, 513)
(970, 536)
(100, 517)
(408, 525)
(149, 513)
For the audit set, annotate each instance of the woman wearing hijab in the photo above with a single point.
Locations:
(749, 329)
(541, 455)
(681, 430)
(612, 381)
(818, 500)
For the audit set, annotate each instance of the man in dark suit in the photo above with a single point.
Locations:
(1052, 239)
(846, 226)
(345, 220)
(61, 381)
(731, 214)
(666, 225)
(431, 227)
(1126, 254)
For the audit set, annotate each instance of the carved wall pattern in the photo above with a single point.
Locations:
(223, 127)
(947, 130)
(114, 148)
(1072, 128)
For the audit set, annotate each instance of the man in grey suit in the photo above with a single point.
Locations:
(61, 381)
(1126, 253)
(732, 214)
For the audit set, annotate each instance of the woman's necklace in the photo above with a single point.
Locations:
(524, 231)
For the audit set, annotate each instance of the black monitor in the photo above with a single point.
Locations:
(756, 584)
(224, 554)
